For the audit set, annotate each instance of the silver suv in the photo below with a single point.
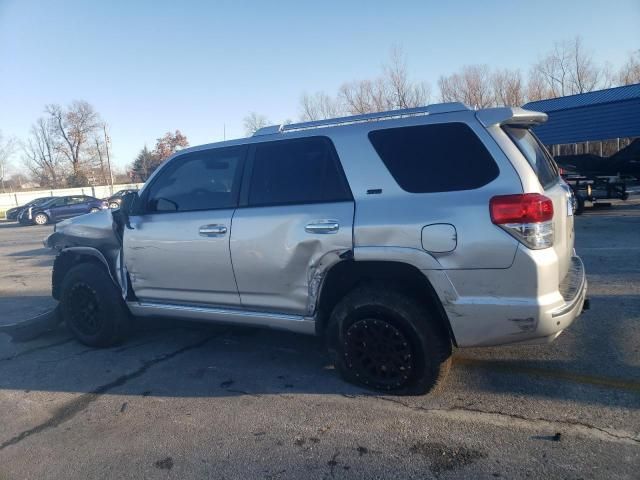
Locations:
(395, 235)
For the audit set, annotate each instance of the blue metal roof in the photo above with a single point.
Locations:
(597, 97)
(599, 115)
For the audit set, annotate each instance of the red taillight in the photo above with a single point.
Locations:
(521, 208)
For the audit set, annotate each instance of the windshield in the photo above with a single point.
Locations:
(536, 154)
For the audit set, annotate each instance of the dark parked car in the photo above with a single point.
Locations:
(60, 208)
(12, 213)
(115, 200)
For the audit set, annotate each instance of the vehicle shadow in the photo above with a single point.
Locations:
(174, 358)
(30, 253)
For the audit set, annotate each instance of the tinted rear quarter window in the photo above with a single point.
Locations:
(296, 171)
(540, 160)
(435, 158)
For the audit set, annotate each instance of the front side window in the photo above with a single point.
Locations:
(206, 180)
(435, 158)
(297, 171)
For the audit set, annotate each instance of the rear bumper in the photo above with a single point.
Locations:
(486, 320)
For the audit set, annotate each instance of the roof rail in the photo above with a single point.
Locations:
(366, 117)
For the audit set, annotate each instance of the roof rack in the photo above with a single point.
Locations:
(367, 117)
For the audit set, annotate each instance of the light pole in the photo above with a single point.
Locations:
(106, 146)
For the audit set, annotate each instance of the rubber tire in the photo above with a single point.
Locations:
(45, 215)
(430, 341)
(580, 205)
(114, 314)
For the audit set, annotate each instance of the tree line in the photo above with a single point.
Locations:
(69, 146)
(568, 68)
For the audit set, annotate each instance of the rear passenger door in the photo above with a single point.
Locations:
(295, 215)
(63, 208)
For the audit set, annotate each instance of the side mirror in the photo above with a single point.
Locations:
(129, 206)
(129, 203)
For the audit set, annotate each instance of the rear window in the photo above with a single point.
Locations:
(435, 158)
(540, 160)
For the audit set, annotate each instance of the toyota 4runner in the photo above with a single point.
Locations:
(394, 235)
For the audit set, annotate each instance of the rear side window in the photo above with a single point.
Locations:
(543, 165)
(205, 180)
(303, 170)
(435, 158)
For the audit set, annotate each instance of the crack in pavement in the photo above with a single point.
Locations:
(501, 419)
(36, 349)
(77, 405)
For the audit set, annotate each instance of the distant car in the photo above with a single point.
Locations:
(115, 200)
(60, 208)
(12, 213)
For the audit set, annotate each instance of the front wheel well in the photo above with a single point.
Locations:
(64, 262)
(347, 275)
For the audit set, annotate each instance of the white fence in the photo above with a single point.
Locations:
(10, 200)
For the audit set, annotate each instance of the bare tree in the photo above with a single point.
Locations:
(404, 93)
(537, 87)
(318, 107)
(585, 75)
(75, 126)
(630, 71)
(392, 89)
(569, 69)
(254, 122)
(472, 86)
(508, 89)
(41, 155)
(365, 96)
(7, 149)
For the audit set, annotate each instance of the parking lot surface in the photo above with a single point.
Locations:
(184, 400)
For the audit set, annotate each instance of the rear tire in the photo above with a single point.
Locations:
(92, 306)
(387, 341)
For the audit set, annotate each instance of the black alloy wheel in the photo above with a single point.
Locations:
(378, 353)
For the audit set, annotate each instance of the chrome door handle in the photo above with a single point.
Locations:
(212, 230)
(322, 226)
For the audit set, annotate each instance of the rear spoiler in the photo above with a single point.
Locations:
(515, 116)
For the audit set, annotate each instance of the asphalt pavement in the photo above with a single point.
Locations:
(184, 400)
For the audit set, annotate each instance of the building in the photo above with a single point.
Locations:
(600, 122)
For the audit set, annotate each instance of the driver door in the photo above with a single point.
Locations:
(178, 249)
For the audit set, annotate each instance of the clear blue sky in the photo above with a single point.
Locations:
(153, 66)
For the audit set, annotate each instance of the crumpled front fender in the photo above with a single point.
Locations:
(92, 235)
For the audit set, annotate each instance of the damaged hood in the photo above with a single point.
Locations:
(94, 230)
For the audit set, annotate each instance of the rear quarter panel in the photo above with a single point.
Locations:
(396, 218)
